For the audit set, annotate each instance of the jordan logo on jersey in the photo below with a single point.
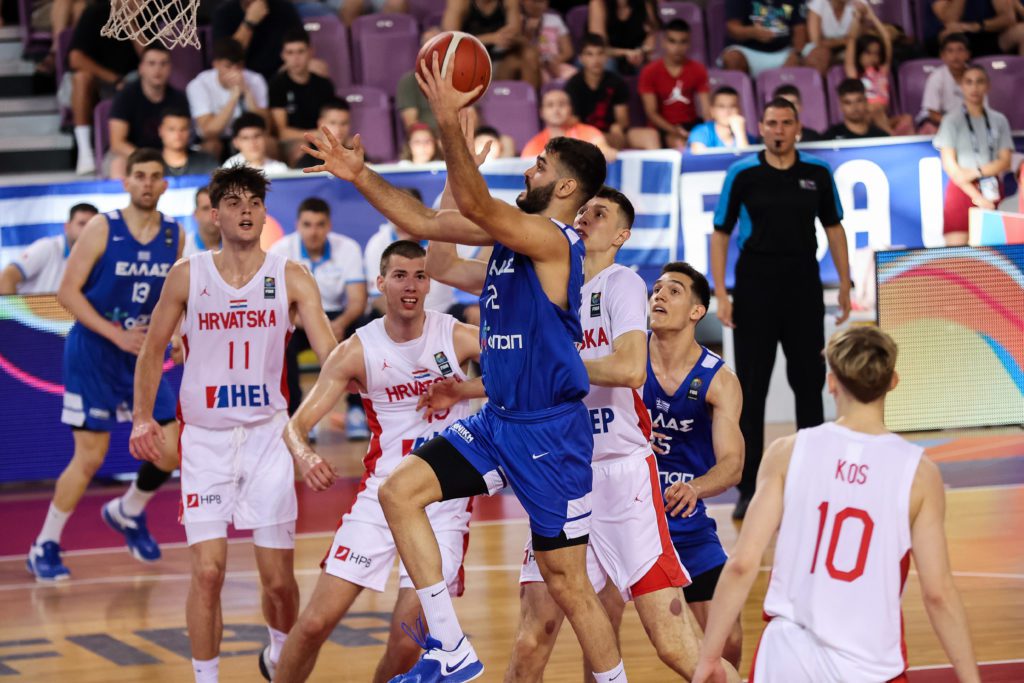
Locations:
(237, 396)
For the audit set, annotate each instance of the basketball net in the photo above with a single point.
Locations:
(172, 22)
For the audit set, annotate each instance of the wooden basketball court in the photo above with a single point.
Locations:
(119, 620)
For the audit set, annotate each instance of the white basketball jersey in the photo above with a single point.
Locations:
(843, 549)
(397, 374)
(614, 302)
(234, 342)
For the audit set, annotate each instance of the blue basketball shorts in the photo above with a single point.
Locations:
(99, 384)
(545, 456)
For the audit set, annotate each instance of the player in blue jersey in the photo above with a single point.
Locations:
(695, 403)
(113, 279)
(535, 433)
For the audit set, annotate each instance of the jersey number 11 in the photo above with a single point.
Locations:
(231, 355)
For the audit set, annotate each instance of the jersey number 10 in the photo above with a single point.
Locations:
(231, 355)
(837, 527)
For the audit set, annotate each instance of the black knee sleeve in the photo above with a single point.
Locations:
(150, 477)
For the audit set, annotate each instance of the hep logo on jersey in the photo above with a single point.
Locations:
(409, 445)
(346, 555)
(237, 396)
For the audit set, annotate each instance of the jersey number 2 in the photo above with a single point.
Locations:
(837, 527)
(231, 355)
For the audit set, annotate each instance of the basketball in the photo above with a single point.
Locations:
(463, 53)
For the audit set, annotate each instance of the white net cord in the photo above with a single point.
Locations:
(171, 22)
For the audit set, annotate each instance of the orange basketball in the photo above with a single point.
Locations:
(462, 53)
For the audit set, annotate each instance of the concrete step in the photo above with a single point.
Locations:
(10, 50)
(35, 104)
(10, 33)
(18, 127)
(34, 153)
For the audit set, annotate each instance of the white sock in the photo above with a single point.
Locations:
(208, 671)
(53, 526)
(133, 502)
(616, 675)
(277, 639)
(440, 613)
(83, 136)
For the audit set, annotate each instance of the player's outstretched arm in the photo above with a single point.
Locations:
(524, 233)
(726, 401)
(941, 598)
(146, 440)
(305, 295)
(343, 366)
(744, 563)
(625, 366)
(397, 206)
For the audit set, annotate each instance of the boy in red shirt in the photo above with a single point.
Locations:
(672, 86)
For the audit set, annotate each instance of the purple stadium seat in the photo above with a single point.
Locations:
(384, 46)
(835, 76)
(32, 40)
(373, 119)
(637, 115)
(742, 84)
(425, 10)
(511, 107)
(815, 114)
(101, 130)
(329, 39)
(912, 76)
(576, 22)
(897, 12)
(1006, 75)
(691, 13)
(714, 21)
(186, 63)
(432, 20)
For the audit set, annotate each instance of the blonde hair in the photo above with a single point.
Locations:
(863, 359)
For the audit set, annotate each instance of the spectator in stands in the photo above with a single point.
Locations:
(296, 94)
(335, 116)
(251, 142)
(548, 32)
(498, 24)
(976, 147)
(97, 68)
(175, 131)
(502, 146)
(727, 127)
(788, 91)
(350, 10)
(942, 89)
(857, 122)
(600, 98)
(868, 58)
(421, 147)
(673, 86)
(207, 234)
(556, 113)
(829, 25)
(64, 14)
(219, 95)
(138, 108)
(763, 35)
(259, 27)
(336, 262)
(991, 26)
(410, 101)
(39, 268)
(629, 26)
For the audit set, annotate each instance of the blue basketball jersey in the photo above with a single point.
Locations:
(126, 281)
(685, 420)
(528, 347)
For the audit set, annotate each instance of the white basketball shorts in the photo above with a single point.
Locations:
(242, 475)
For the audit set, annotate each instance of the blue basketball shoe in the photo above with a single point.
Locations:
(141, 544)
(437, 665)
(45, 564)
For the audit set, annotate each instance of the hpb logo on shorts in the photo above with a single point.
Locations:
(194, 500)
(346, 555)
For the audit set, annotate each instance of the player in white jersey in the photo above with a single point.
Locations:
(393, 360)
(851, 503)
(238, 305)
(629, 539)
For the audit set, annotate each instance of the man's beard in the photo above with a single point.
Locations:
(536, 199)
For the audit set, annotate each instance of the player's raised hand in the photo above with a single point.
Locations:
(445, 100)
(337, 159)
(147, 440)
(317, 474)
(710, 672)
(439, 397)
(659, 448)
(681, 499)
(467, 120)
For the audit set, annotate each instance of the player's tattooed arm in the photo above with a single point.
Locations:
(147, 438)
(744, 563)
(343, 366)
(725, 399)
(304, 294)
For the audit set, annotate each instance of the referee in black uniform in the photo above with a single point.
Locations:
(775, 196)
